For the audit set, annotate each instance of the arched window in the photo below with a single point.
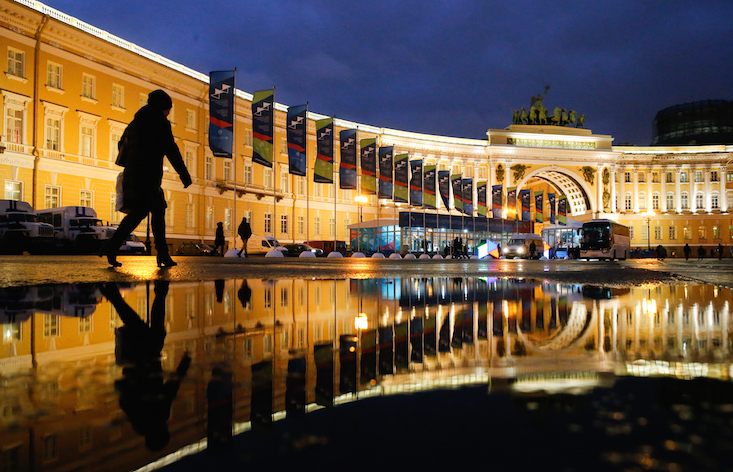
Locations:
(684, 201)
(715, 201)
(641, 198)
(699, 201)
(670, 202)
(627, 201)
(655, 201)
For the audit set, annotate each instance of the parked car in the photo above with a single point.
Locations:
(294, 250)
(133, 245)
(196, 249)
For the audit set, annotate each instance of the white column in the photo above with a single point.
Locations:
(649, 189)
(599, 183)
(663, 189)
(723, 198)
(693, 189)
(678, 189)
(635, 186)
(614, 208)
(622, 189)
(707, 199)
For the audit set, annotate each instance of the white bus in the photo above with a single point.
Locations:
(604, 239)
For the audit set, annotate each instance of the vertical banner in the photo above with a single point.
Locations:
(481, 188)
(496, 204)
(323, 169)
(511, 202)
(524, 198)
(551, 201)
(428, 186)
(539, 209)
(455, 180)
(467, 196)
(444, 187)
(347, 167)
(221, 112)
(562, 210)
(368, 166)
(296, 127)
(263, 105)
(386, 168)
(416, 183)
(401, 177)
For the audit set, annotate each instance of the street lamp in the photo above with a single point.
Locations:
(360, 200)
(648, 217)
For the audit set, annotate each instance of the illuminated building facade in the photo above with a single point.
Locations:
(69, 89)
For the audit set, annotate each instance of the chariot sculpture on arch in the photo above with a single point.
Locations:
(539, 115)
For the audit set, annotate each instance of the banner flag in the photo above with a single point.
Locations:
(539, 209)
(481, 197)
(386, 168)
(296, 126)
(323, 168)
(369, 166)
(416, 183)
(524, 198)
(467, 196)
(444, 187)
(496, 203)
(455, 180)
(511, 202)
(401, 177)
(562, 210)
(263, 106)
(428, 198)
(221, 112)
(551, 201)
(347, 168)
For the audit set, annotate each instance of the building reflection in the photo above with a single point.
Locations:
(261, 349)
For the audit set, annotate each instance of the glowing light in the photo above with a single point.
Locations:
(361, 321)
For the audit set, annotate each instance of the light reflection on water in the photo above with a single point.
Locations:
(88, 370)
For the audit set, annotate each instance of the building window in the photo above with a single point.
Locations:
(189, 157)
(190, 215)
(683, 176)
(641, 176)
(729, 176)
(714, 176)
(86, 198)
(248, 138)
(655, 201)
(657, 233)
(670, 202)
(644, 233)
(670, 177)
(301, 224)
(672, 233)
(268, 223)
(317, 225)
(483, 172)
(684, 201)
(655, 177)
(118, 96)
(50, 447)
(631, 232)
(701, 233)
(50, 325)
(714, 201)
(14, 125)
(332, 226)
(115, 134)
(53, 134)
(698, 176)
(210, 217)
(191, 120)
(54, 75)
(627, 202)
(88, 86)
(284, 182)
(227, 218)
(248, 174)
(209, 168)
(86, 145)
(114, 214)
(716, 232)
(627, 177)
(85, 324)
(16, 63)
(687, 233)
(699, 201)
(227, 169)
(52, 196)
(284, 227)
(13, 190)
(267, 178)
(642, 200)
(301, 185)
(283, 146)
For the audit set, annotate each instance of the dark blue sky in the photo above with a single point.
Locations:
(448, 67)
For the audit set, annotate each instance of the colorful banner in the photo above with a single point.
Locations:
(416, 183)
(524, 198)
(368, 166)
(551, 201)
(444, 187)
(428, 187)
(323, 169)
(481, 188)
(347, 168)
(296, 131)
(221, 112)
(386, 164)
(496, 203)
(467, 196)
(263, 105)
(455, 180)
(539, 210)
(562, 210)
(511, 202)
(401, 178)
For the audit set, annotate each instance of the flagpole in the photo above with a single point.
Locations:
(234, 158)
(274, 172)
(335, 189)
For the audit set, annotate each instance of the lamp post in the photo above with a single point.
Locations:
(504, 214)
(360, 200)
(648, 217)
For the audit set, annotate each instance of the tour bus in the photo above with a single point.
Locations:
(604, 239)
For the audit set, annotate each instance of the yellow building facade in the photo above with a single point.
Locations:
(69, 90)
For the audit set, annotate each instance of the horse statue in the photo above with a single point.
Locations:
(564, 118)
(522, 116)
(515, 117)
(556, 116)
(543, 115)
(581, 121)
(571, 117)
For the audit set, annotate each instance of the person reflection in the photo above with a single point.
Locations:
(144, 395)
(244, 294)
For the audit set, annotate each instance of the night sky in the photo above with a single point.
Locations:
(446, 67)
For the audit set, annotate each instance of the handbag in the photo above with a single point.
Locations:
(122, 150)
(119, 201)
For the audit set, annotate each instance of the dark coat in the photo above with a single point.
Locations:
(219, 238)
(244, 230)
(148, 138)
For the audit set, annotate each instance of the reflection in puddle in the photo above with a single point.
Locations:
(90, 370)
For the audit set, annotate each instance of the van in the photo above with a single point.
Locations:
(257, 245)
(519, 246)
(76, 228)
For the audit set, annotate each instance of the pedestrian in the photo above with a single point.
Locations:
(700, 253)
(661, 253)
(532, 249)
(144, 144)
(687, 251)
(219, 238)
(245, 232)
(720, 251)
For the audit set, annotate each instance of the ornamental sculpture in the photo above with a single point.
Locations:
(539, 115)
